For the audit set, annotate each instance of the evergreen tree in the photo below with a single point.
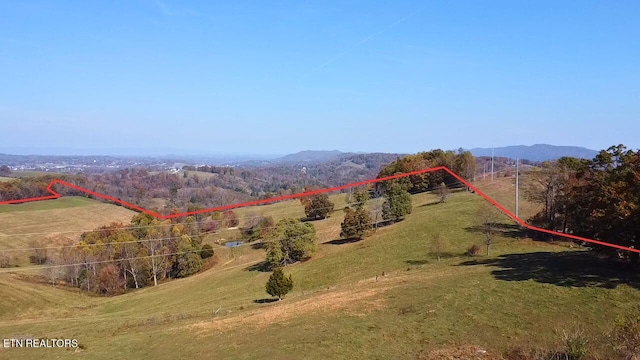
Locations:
(356, 223)
(187, 260)
(318, 207)
(278, 284)
(359, 198)
(397, 202)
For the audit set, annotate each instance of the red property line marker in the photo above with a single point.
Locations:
(55, 195)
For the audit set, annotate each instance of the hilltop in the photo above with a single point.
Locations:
(307, 156)
(537, 152)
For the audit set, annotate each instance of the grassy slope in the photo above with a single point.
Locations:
(338, 308)
(42, 219)
(200, 174)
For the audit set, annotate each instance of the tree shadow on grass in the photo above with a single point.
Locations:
(262, 266)
(507, 230)
(433, 203)
(385, 223)
(265, 301)
(569, 268)
(342, 241)
(312, 219)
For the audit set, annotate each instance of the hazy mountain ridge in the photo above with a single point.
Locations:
(310, 156)
(537, 152)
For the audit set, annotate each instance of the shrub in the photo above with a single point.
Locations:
(575, 344)
(230, 218)
(206, 251)
(39, 254)
(626, 336)
(7, 261)
(473, 250)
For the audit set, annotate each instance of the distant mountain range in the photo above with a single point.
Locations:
(309, 156)
(538, 152)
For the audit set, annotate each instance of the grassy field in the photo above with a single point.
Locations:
(502, 189)
(20, 224)
(383, 297)
(200, 174)
(2, 178)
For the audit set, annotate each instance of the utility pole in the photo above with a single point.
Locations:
(484, 171)
(517, 185)
(492, 152)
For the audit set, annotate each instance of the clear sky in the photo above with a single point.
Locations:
(240, 77)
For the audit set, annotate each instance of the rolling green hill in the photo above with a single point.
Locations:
(54, 220)
(383, 297)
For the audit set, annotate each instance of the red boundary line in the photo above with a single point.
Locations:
(55, 195)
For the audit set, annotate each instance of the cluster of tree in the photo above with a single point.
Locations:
(357, 221)
(291, 241)
(317, 206)
(348, 168)
(37, 186)
(257, 227)
(597, 198)
(5, 170)
(258, 182)
(166, 192)
(461, 162)
(118, 257)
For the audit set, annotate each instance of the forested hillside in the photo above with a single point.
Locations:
(206, 186)
(598, 198)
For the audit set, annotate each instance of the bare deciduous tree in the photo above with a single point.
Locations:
(443, 192)
(376, 212)
(488, 217)
(438, 245)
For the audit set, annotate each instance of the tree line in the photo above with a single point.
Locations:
(597, 198)
(117, 257)
(460, 162)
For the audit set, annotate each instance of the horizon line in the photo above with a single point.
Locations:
(55, 195)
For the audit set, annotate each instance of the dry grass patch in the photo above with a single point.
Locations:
(362, 299)
(460, 352)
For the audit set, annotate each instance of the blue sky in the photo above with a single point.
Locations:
(277, 77)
